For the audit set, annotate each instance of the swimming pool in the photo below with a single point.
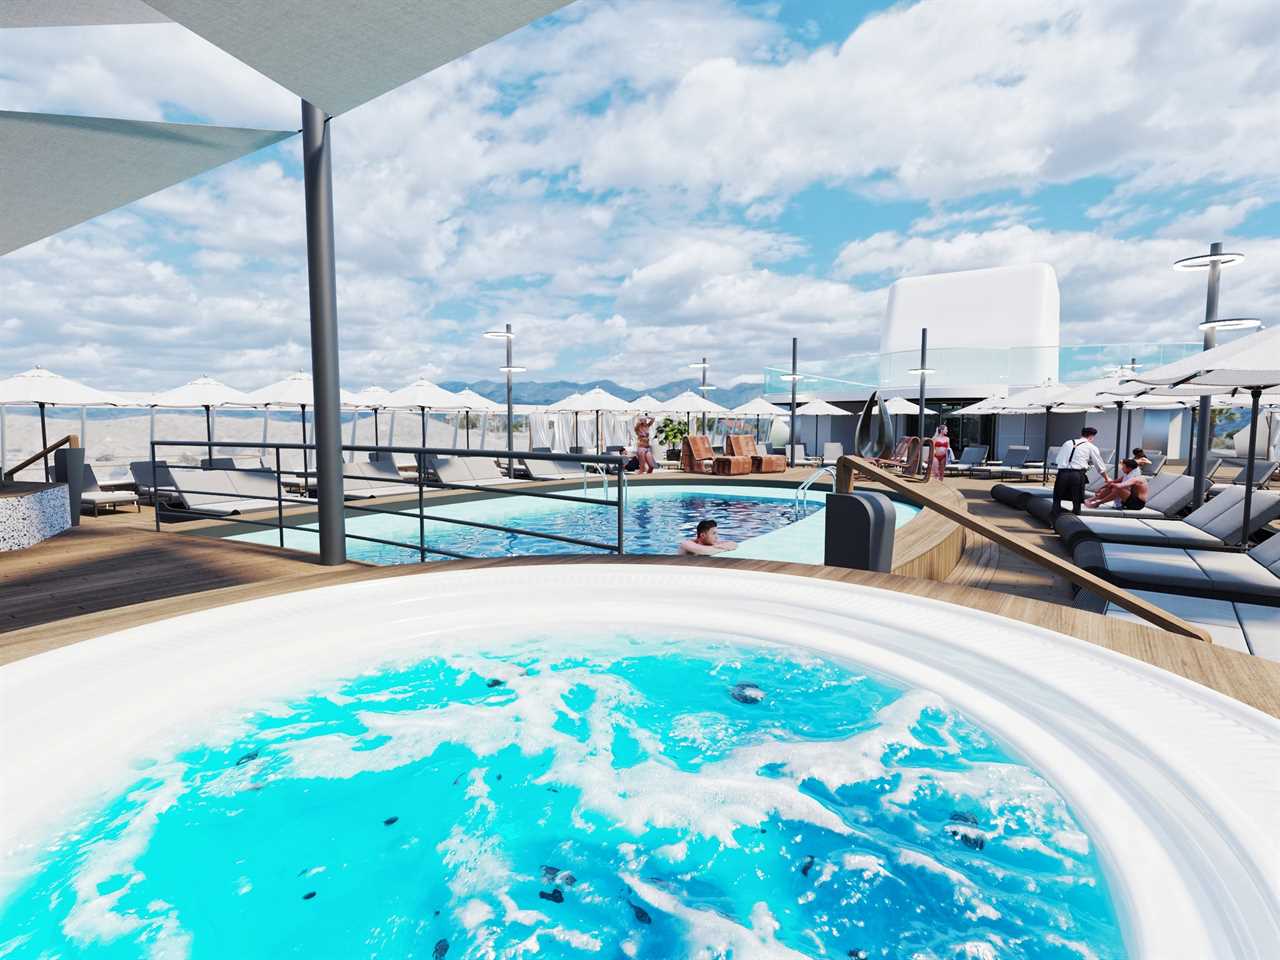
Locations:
(658, 516)
(477, 763)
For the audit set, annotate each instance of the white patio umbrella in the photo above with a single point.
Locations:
(597, 400)
(294, 390)
(46, 388)
(477, 403)
(1047, 398)
(759, 407)
(645, 402)
(1250, 363)
(1103, 392)
(819, 408)
(690, 403)
(901, 405)
(370, 398)
(425, 395)
(203, 392)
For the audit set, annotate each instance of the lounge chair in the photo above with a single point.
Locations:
(1216, 524)
(696, 455)
(1252, 577)
(1020, 498)
(232, 463)
(1156, 464)
(1167, 497)
(744, 445)
(148, 485)
(730, 465)
(831, 453)
(1244, 627)
(1211, 463)
(224, 492)
(1263, 471)
(971, 456)
(800, 456)
(97, 498)
(898, 457)
(1009, 467)
(364, 481)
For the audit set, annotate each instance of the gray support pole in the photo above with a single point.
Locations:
(1256, 394)
(704, 393)
(791, 441)
(318, 188)
(208, 431)
(924, 358)
(510, 411)
(44, 442)
(1210, 340)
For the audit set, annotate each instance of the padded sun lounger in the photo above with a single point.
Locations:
(1021, 497)
(1263, 471)
(1015, 458)
(744, 445)
(1167, 496)
(146, 485)
(831, 453)
(232, 463)
(220, 492)
(364, 481)
(971, 456)
(1243, 627)
(97, 498)
(1215, 525)
(1252, 577)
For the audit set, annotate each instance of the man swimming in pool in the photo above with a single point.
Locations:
(706, 541)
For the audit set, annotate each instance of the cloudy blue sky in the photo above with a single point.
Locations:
(635, 183)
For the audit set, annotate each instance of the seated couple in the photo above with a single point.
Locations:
(1126, 492)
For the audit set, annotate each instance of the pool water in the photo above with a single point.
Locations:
(639, 796)
(657, 518)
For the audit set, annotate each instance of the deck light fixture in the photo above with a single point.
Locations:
(508, 368)
(1231, 323)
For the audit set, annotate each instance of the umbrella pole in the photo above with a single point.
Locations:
(1256, 394)
(1044, 474)
(305, 467)
(1119, 416)
(423, 412)
(376, 441)
(44, 442)
(208, 433)
(467, 420)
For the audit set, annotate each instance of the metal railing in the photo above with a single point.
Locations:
(292, 487)
(801, 500)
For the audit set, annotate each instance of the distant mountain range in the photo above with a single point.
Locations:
(540, 394)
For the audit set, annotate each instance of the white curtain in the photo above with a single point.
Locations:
(542, 430)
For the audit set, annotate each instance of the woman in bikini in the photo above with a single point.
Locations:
(941, 452)
(644, 452)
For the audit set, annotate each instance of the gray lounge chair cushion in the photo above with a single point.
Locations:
(1016, 497)
(1214, 524)
(1262, 629)
(1205, 573)
(971, 456)
(1221, 618)
(1158, 505)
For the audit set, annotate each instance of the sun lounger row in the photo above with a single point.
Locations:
(223, 492)
(1263, 472)
(1167, 497)
(1217, 524)
(1237, 625)
(94, 496)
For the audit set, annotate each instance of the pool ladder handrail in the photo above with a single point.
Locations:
(802, 491)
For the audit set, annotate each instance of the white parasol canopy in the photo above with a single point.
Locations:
(989, 405)
(42, 386)
(690, 402)
(1048, 396)
(201, 392)
(293, 391)
(595, 399)
(1246, 363)
(478, 402)
(371, 398)
(645, 402)
(901, 405)
(424, 394)
(759, 407)
(820, 408)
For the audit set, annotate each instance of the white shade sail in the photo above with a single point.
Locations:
(424, 394)
(76, 13)
(201, 392)
(60, 171)
(820, 408)
(478, 402)
(759, 407)
(337, 54)
(594, 399)
(38, 385)
(1245, 363)
(690, 402)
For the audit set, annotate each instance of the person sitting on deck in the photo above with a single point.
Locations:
(1127, 492)
(706, 541)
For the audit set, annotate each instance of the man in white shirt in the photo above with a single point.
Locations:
(1074, 460)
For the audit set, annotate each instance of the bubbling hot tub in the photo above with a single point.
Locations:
(644, 761)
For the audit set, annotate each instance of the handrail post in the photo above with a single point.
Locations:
(155, 489)
(622, 496)
(422, 522)
(279, 500)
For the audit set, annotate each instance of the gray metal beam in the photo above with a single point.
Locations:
(318, 187)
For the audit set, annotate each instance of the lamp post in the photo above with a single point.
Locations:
(702, 365)
(924, 372)
(794, 377)
(508, 369)
(1213, 262)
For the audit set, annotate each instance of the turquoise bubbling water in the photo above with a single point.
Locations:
(637, 796)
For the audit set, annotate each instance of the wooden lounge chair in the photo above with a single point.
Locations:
(744, 445)
(729, 464)
(696, 455)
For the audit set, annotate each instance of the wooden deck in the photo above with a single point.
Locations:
(115, 571)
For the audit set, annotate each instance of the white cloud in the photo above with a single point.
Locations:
(1215, 220)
